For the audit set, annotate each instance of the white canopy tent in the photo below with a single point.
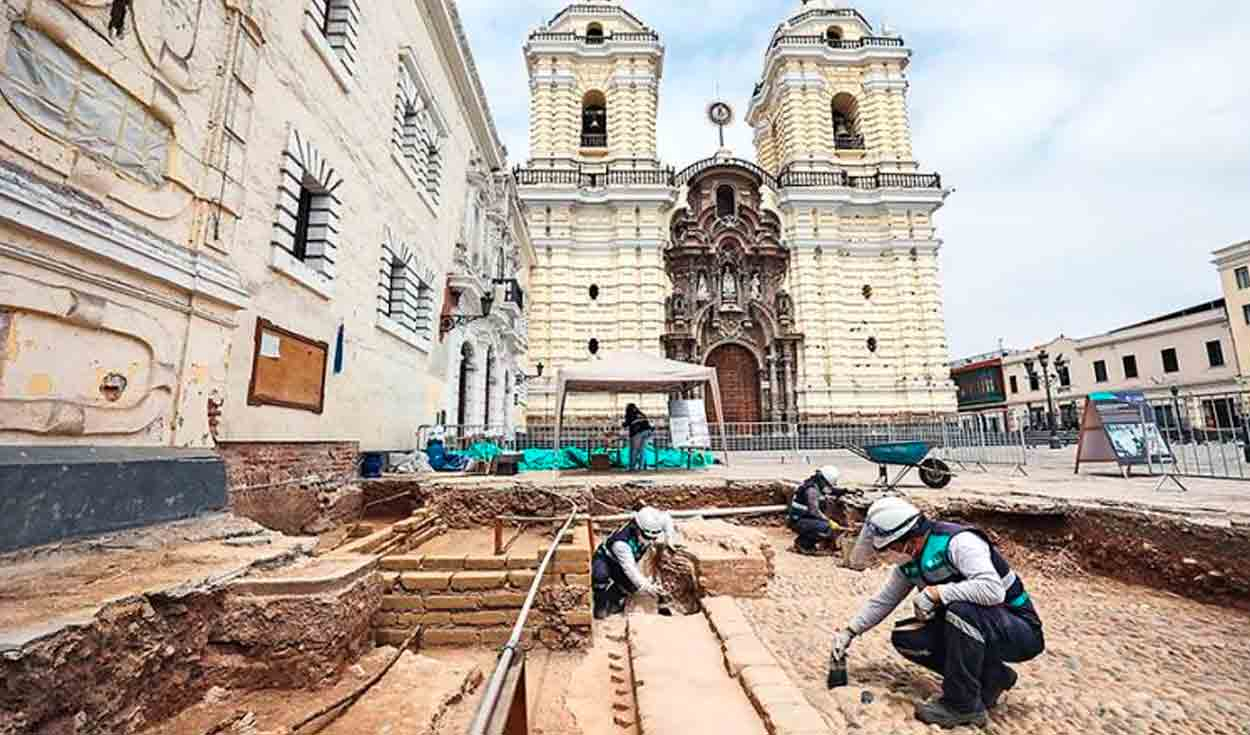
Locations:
(635, 372)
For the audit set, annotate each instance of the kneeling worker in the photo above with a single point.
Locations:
(616, 572)
(805, 517)
(972, 613)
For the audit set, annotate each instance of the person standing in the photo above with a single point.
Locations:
(973, 615)
(640, 434)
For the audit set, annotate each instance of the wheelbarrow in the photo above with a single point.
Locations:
(908, 455)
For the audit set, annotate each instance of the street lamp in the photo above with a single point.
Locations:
(522, 378)
(449, 323)
(1043, 358)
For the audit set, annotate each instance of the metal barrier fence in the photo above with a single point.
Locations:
(962, 442)
(1208, 434)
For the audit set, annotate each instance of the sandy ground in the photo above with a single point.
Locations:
(418, 696)
(1120, 659)
(94, 571)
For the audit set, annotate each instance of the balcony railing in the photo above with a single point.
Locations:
(848, 142)
(835, 12)
(640, 37)
(588, 178)
(594, 140)
(865, 42)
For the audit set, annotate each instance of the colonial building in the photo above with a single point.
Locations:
(809, 278)
(252, 225)
(1186, 355)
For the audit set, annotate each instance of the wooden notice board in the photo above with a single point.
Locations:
(287, 370)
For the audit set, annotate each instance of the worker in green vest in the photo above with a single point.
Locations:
(972, 614)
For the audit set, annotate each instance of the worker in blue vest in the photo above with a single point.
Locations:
(807, 519)
(972, 615)
(616, 570)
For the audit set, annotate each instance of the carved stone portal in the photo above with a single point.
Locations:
(742, 324)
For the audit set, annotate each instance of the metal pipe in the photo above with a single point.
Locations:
(487, 708)
(707, 513)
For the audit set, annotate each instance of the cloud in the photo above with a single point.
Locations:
(1098, 149)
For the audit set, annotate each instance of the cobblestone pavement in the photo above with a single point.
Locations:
(1120, 659)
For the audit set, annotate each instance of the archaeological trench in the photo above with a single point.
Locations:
(1147, 621)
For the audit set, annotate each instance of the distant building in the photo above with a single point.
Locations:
(1233, 264)
(1191, 350)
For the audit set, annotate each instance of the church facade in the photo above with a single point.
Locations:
(808, 277)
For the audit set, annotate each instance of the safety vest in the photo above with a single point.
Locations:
(934, 565)
(798, 509)
(632, 536)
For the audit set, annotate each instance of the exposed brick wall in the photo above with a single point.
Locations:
(293, 487)
(467, 601)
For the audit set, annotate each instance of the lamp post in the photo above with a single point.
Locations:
(1043, 358)
(1176, 412)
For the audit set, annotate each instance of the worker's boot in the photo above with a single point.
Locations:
(603, 603)
(939, 713)
(990, 696)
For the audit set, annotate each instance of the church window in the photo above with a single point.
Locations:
(846, 130)
(306, 224)
(339, 23)
(594, 292)
(594, 120)
(726, 204)
(418, 133)
(594, 34)
(867, 291)
(872, 344)
(593, 346)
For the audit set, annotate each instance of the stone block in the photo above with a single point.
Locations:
(775, 695)
(451, 637)
(793, 719)
(485, 563)
(443, 562)
(401, 563)
(390, 581)
(577, 554)
(581, 619)
(746, 650)
(423, 581)
(429, 618)
(403, 603)
(521, 562)
(479, 580)
(496, 600)
(485, 618)
(577, 580)
(390, 637)
(566, 567)
(756, 677)
(521, 579)
(453, 602)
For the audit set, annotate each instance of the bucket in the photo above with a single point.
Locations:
(372, 465)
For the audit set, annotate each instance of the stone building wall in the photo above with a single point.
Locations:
(156, 260)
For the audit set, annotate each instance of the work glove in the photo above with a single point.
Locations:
(923, 606)
(841, 643)
(652, 588)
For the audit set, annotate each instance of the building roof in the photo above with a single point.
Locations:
(1216, 305)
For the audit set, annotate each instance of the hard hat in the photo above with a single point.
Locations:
(438, 433)
(889, 520)
(651, 522)
(831, 474)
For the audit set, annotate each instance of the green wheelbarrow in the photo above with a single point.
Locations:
(908, 455)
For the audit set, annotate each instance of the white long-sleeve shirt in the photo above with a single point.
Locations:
(981, 586)
(625, 555)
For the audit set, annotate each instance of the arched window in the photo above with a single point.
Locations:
(833, 35)
(726, 203)
(594, 120)
(594, 33)
(846, 133)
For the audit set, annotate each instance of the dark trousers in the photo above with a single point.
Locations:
(610, 585)
(812, 531)
(969, 646)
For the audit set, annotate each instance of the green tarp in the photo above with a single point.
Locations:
(575, 458)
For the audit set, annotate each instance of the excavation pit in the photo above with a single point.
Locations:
(1145, 615)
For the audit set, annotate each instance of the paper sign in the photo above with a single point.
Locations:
(270, 345)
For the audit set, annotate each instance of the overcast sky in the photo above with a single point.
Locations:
(1100, 150)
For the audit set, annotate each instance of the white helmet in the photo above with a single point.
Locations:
(438, 433)
(889, 520)
(651, 522)
(831, 474)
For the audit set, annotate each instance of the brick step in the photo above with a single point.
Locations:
(456, 562)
